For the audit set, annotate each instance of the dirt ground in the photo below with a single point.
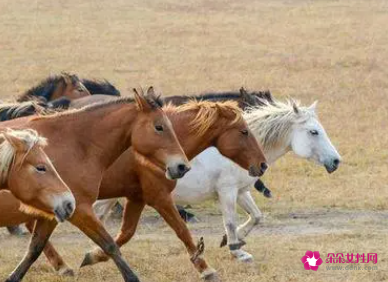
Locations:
(334, 51)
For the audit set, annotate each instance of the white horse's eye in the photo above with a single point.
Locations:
(314, 132)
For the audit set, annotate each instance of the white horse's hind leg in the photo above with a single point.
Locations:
(228, 208)
(102, 208)
(247, 203)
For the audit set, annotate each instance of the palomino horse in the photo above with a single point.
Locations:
(83, 149)
(281, 128)
(27, 172)
(198, 125)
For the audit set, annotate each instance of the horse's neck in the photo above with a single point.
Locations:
(272, 154)
(103, 132)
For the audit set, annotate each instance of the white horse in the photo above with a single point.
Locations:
(280, 128)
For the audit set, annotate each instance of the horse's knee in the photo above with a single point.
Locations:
(256, 219)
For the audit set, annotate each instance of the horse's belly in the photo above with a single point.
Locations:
(198, 184)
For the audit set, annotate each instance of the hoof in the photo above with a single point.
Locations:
(88, 260)
(213, 277)
(224, 241)
(66, 271)
(242, 256)
(17, 230)
(94, 257)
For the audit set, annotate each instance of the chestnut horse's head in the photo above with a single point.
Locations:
(28, 173)
(154, 138)
(232, 136)
(71, 87)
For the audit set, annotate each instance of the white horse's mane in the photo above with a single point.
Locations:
(272, 123)
(7, 151)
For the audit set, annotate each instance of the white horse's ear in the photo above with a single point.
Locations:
(313, 106)
(295, 107)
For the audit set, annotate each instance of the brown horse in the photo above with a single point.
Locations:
(27, 172)
(198, 125)
(210, 124)
(83, 149)
(54, 87)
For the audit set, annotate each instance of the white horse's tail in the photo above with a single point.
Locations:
(102, 208)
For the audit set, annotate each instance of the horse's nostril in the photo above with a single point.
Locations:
(182, 168)
(68, 207)
(336, 162)
(264, 166)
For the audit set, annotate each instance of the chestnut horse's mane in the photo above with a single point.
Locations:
(7, 151)
(208, 113)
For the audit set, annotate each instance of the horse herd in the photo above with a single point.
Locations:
(150, 150)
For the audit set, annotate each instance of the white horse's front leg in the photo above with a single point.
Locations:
(228, 207)
(246, 202)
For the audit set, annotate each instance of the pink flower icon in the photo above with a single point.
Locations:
(311, 260)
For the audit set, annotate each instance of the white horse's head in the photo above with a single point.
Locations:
(309, 139)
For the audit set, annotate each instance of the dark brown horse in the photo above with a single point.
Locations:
(54, 87)
(83, 149)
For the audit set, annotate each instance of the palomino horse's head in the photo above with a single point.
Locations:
(70, 87)
(309, 139)
(154, 137)
(28, 173)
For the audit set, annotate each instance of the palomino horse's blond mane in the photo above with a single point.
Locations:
(7, 151)
(272, 122)
(208, 113)
(7, 160)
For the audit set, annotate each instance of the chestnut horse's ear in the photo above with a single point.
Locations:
(151, 92)
(243, 92)
(16, 143)
(141, 101)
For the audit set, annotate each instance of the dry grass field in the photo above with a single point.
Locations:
(334, 51)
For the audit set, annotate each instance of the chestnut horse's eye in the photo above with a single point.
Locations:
(244, 131)
(313, 132)
(40, 168)
(80, 89)
(159, 128)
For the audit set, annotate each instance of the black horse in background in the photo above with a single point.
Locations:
(54, 93)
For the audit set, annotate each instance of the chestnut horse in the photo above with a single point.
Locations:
(83, 149)
(198, 125)
(27, 172)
